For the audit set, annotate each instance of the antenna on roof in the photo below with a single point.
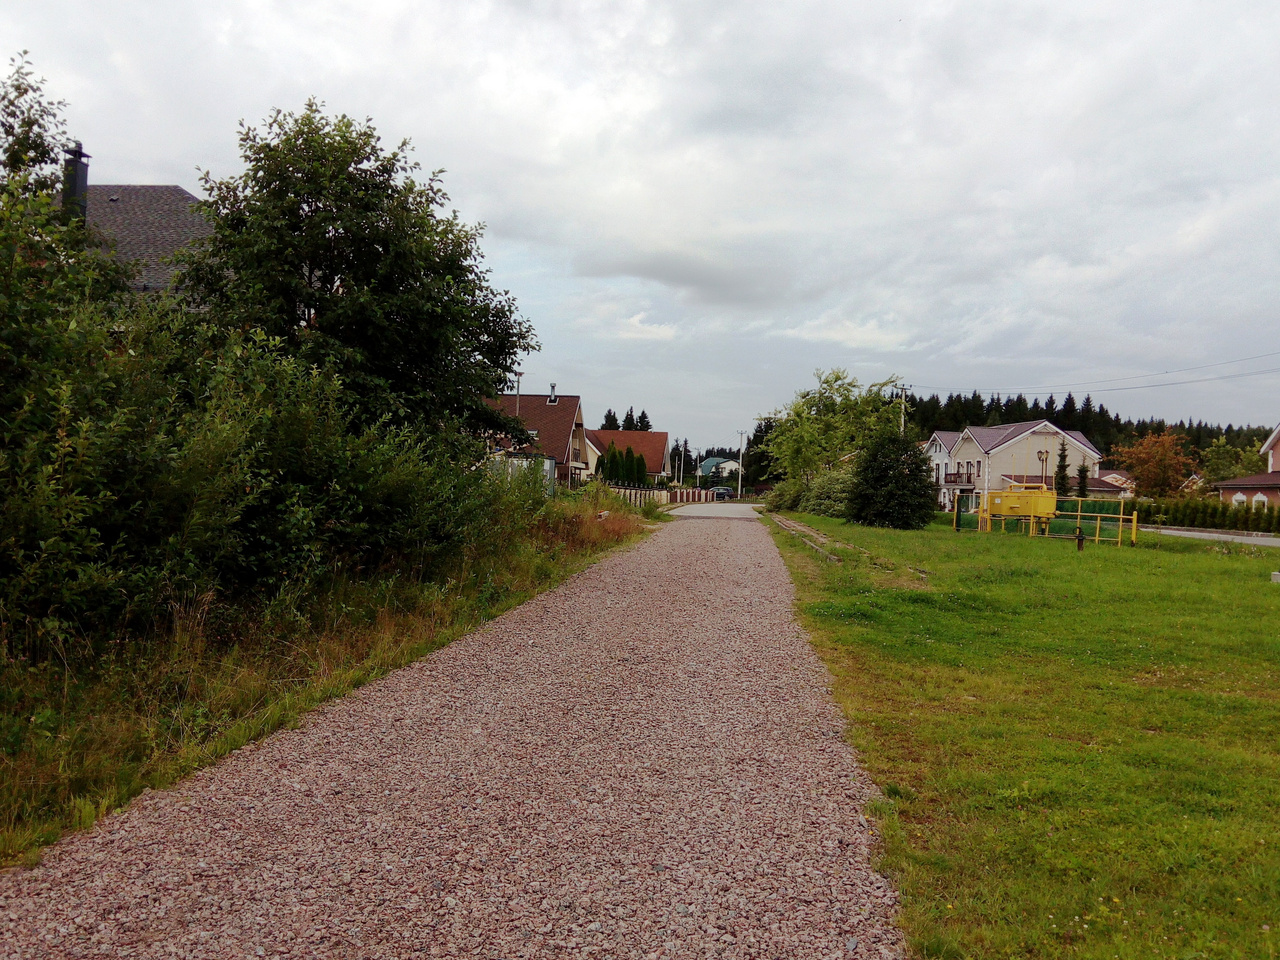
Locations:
(75, 180)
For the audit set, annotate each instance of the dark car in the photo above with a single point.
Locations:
(723, 493)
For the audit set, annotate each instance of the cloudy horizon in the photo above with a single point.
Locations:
(697, 205)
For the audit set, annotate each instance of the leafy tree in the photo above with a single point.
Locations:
(642, 422)
(328, 243)
(629, 421)
(892, 483)
(32, 130)
(1223, 461)
(1157, 461)
(822, 425)
(1062, 479)
(610, 421)
(1082, 480)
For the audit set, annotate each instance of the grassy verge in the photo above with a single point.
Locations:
(76, 746)
(1080, 753)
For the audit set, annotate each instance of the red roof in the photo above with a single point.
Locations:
(650, 444)
(1254, 481)
(1096, 484)
(552, 422)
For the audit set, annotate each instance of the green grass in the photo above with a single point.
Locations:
(1080, 753)
(75, 745)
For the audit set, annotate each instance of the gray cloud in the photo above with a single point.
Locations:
(698, 204)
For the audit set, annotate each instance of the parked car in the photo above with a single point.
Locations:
(723, 493)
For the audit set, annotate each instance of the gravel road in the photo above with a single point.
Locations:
(642, 763)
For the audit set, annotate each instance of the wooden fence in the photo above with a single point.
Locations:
(638, 496)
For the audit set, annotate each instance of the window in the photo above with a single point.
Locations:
(979, 468)
(1238, 499)
(1259, 500)
(937, 473)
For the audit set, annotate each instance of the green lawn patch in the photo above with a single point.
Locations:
(1080, 753)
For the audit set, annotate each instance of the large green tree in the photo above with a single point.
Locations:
(327, 241)
(822, 425)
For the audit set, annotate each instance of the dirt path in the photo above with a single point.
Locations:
(642, 763)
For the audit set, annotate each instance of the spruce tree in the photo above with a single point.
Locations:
(642, 422)
(892, 483)
(610, 421)
(629, 421)
(1082, 481)
(1061, 479)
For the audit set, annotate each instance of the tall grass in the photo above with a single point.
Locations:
(77, 743)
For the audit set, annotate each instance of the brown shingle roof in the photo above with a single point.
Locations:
(553, 422)
(1251, 481)
(147, 224)
(650, 444)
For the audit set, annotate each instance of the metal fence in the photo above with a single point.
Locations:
(1072, 518)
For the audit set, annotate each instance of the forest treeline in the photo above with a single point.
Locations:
(1106, 429)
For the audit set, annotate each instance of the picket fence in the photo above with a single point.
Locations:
(639, 496)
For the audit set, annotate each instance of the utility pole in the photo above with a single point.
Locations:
(518, 376)
(742, 460)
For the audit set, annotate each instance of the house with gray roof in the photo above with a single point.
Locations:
(982, 459)
(146, 225)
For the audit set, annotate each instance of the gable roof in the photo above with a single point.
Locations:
(650, 444)
(146, 223)
(553, 422)
(992, 438)
(947, 438)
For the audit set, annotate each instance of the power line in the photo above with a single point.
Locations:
(1141, 386)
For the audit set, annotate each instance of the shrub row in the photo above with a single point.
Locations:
(1211, 515)
(157, 459)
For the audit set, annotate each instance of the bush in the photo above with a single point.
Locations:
(174, 459)
(785, 495)
(892, 484)
(828, 494)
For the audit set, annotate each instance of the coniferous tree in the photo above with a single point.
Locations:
(1082, 481)
(1062, 479)
(614, 471)
(629, 421)
(642, 422)
(892, 483)
(629, 466)
(642, 471)
(610, 421)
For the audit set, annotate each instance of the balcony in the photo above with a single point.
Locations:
(952, 479)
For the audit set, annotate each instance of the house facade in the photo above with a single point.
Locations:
(555, 423)
(1259, 489)
(982, 459)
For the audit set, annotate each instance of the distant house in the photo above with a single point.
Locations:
(719, 467)
(1259, 489)
(980, 459)
(146, 224)
(653, 445)
(555, 422)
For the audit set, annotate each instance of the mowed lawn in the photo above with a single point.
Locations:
(1080, 752)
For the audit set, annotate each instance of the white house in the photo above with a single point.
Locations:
(980, 459)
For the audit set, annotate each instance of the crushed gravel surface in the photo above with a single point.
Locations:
(645, 762)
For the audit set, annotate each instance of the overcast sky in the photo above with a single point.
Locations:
(697, 204)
